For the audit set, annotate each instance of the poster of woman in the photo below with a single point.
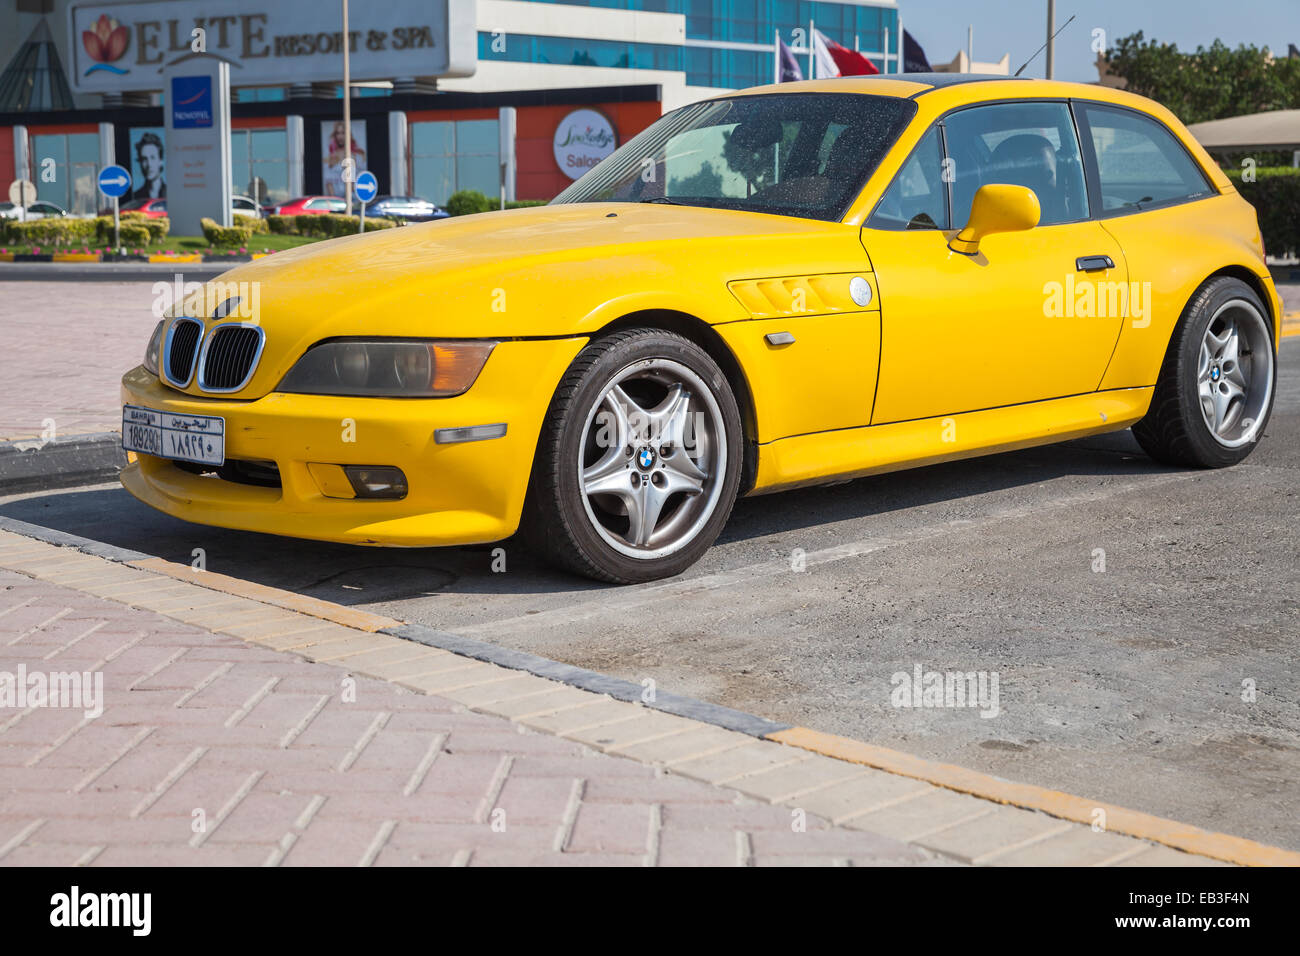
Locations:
(335, 152)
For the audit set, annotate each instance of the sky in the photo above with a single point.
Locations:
(1019, 27)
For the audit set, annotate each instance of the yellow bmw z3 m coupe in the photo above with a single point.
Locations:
(778, 287)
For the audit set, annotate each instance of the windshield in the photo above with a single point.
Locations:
(790, 154)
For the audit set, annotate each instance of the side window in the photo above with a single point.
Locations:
(918, 196)
(1021, 144)
(1139, 162)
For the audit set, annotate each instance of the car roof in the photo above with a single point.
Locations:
(958, 88)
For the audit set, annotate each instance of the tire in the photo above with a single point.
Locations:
(1217, 383)
(638, 461)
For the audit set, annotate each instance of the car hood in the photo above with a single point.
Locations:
(536, 271)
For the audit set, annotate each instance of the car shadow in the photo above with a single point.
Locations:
(357, 575)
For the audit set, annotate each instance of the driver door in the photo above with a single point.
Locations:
(1020, 320)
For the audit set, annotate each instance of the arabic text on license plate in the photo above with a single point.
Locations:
(197, 438)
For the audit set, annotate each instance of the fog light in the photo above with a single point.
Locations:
(376, 481)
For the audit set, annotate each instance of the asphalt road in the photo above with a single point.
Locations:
(1123, 685)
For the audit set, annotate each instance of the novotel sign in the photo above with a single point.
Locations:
(116, 47)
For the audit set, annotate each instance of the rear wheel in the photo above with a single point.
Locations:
(1215, 390)
(639, 459)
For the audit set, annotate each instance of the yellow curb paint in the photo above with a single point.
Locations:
(161, 257)
(1180, 836)
(6, 257)
(313, 607)
(1290, 324)
(76, 257)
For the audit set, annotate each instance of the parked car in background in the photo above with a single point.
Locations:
(410, 208)
(311, 206)
(153, 208)
(245, 206)
(37, 210)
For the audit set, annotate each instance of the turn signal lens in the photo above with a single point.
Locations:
(153, 348)
(398, 368)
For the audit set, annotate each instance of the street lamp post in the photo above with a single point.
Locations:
(349, 174)
(1051, 38)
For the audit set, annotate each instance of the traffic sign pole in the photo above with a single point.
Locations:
(367, 187)
(115, 182)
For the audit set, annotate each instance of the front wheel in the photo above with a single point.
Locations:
(638, 461)
(1215, 390)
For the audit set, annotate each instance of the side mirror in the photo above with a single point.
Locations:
(997, 208)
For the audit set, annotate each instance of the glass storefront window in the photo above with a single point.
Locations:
(259, 165)
(448, 156)
(76, 165)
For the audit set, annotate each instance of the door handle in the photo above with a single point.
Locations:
(1094, 263)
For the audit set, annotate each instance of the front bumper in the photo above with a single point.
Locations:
(463, 493)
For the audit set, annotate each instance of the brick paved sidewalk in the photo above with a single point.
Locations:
(283, 769)
(66, 345)
(246, 725)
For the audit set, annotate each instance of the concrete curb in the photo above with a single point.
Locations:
(38, 465)
(840, 750)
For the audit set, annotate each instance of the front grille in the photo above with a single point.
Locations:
(181, 346)
(229, 356)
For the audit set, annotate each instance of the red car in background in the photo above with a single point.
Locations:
(153, 208)
(309, 205)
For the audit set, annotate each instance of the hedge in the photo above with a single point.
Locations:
(1275, 194)
(50, 232)
(334, 224)
(134, 234)
(469, 201)
(257, 225)
(281, 225)
(218, 235)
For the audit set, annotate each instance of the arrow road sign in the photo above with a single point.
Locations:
(366, 187)
(114, 181)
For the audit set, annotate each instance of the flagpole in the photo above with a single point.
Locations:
(812, 50)
(901, 67)
(776, 56)
(885, 47)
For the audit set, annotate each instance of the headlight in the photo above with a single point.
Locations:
(400, 368)
(152, 350)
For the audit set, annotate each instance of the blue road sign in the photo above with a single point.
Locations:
(366, 186)
(114, 181)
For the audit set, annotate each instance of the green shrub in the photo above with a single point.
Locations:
(156, 229)
(281, 225)
(134, 234)
(1275, 194)
(225, 236)
(50, 232)
(331, 224)
(525, 203)
(469, 201)
(257, 226)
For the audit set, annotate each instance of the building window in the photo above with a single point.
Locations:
(259, 164)
(452, 155)
(76, 167)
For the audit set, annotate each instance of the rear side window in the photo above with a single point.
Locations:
(918, 196)
(1139, 163)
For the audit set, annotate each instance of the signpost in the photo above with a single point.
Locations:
(115, 182)
(22, 193)
(367, 187)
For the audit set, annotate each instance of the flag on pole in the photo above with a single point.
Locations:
(914, 59)
(787, 67)
(835, 60)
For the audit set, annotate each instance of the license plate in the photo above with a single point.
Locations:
(197, 438)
